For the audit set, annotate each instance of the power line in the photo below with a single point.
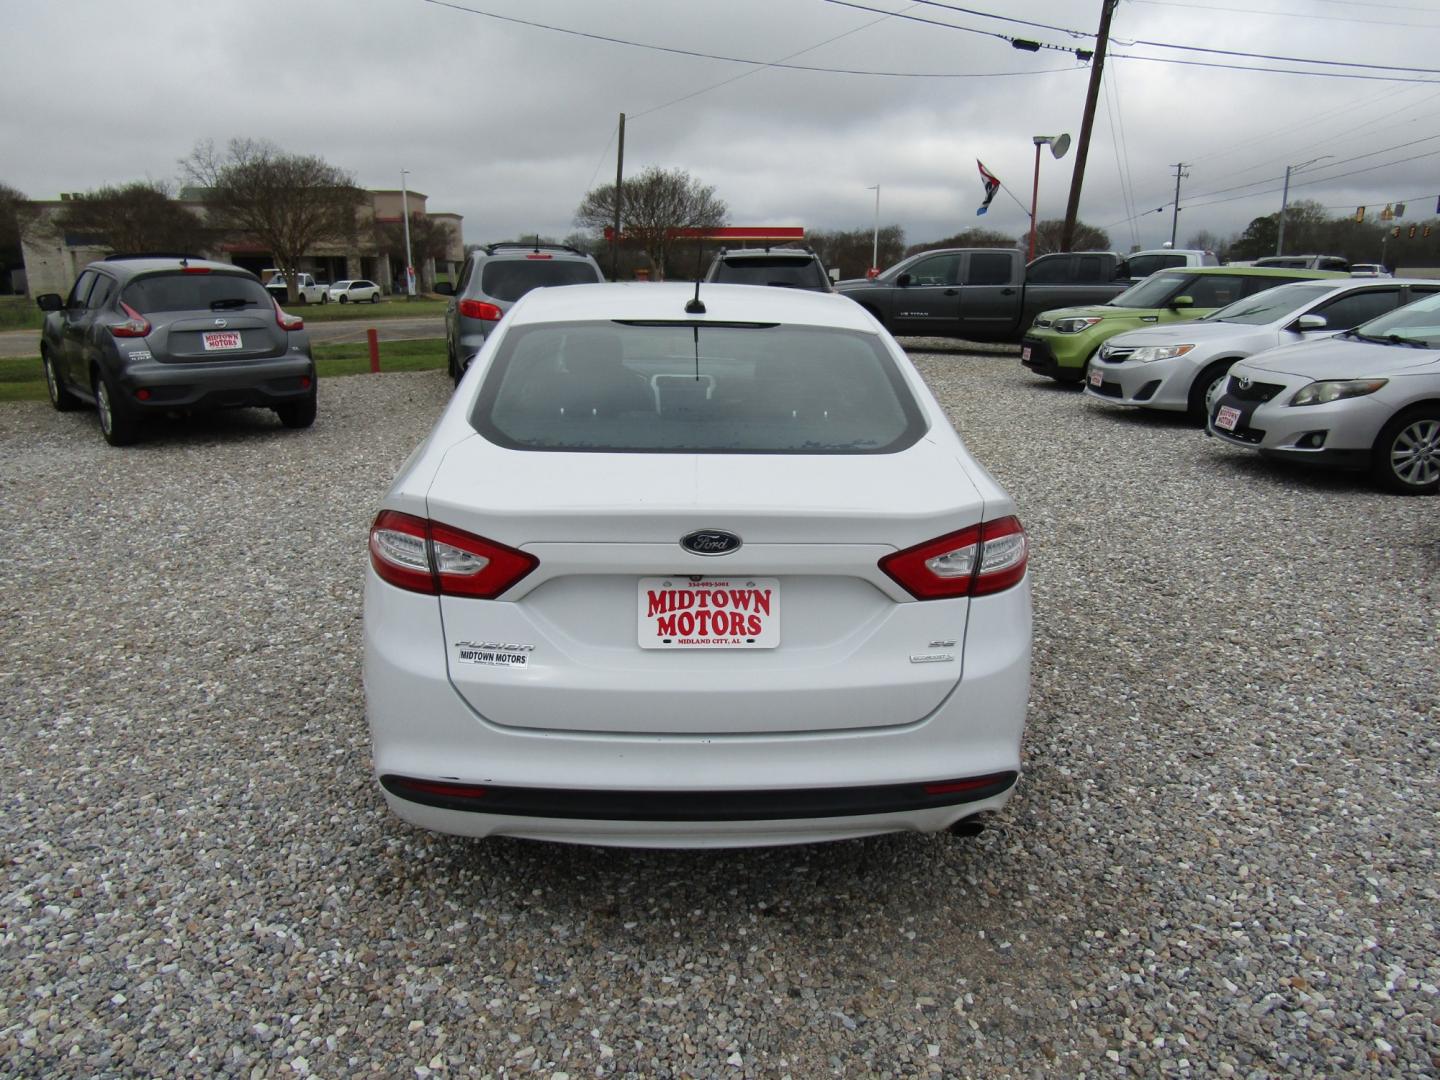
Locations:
(1275, 71)
(1030, 46)
(1289, 14)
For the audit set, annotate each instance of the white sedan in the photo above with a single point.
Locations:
(354, 292)
(680, 574)
(1368, 399)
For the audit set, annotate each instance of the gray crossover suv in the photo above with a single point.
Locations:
(143, 336)
(791, 268)
(495, 277)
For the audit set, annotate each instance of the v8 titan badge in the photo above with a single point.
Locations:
(493, 653)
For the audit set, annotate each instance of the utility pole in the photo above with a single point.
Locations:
(1180, 174)
(619, 196)
(1082, 151)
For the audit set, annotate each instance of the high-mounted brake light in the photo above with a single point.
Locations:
(983, 559)
(195, 269)
(539, 255)
(478, 309)
(135, 326)
(427, 557)
(285, 320)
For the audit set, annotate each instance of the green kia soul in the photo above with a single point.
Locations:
(1060, 343)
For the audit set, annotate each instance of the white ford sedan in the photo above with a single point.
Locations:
(680, 574)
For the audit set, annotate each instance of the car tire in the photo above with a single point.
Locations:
(298, 414)
(61, 399)
(118, 422)
(1206, 388)
(1406, 456)
(344, 299)
(375, 298)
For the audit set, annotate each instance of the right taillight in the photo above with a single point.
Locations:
(425, 556)
(135, 326)
(983, 559)
(478, 309)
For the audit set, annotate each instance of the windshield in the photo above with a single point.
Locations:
(1270, 305)
(1153, 292)
(687, 388)
(1413, 324)
(510, 279)
(778, 270)
(195, 292)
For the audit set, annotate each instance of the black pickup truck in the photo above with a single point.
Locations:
(984, 294)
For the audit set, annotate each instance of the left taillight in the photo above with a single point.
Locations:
(425, 556)
(287, 321)
(135, 326)
(983, 559)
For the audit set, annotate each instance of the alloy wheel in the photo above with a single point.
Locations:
(1415, 452)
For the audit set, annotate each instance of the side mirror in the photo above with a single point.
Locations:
(1182, 301)
(903, 280)
(50, 301)
(444, 288)
(1311, 322)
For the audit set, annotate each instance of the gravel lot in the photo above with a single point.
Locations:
(1221, 861)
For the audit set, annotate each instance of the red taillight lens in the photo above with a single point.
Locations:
(983, 559)
(478, 309)
(286, 321)
(427, 557)
(135, 326)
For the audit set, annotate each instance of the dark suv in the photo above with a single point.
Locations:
(142, 336)
(495, 277)
(791, 268)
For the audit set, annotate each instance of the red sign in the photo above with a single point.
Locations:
(728, 232)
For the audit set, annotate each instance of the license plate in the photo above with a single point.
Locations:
(1096, 378)
(1024, 352)
(1227, 418)
(220, 340)
(713, 613)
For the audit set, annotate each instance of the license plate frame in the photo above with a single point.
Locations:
(1096, 378)
(221, 340)
(705, 614)
(1227, 418)
(1024, 353)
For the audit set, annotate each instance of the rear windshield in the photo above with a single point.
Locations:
(789, 273)
(195, 292)
(699, 389)
(510, 279)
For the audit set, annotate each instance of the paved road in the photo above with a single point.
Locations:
(27, 342)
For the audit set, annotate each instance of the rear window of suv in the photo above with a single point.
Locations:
(510, 279)
(791, 272)
(195, 292)
(695, 389)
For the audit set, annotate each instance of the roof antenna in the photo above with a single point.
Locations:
(696, 306)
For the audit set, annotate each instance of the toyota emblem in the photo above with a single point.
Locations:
(711, 542)
(1244, 384)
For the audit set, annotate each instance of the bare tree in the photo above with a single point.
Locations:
(430, 238)
(652, 205)
(1048, 235)
(983, 238)
(141, 216)
(13, 210)
(850, 250)
(288, 202)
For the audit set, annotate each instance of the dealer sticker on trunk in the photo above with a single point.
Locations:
(493, 653)
(709, 613)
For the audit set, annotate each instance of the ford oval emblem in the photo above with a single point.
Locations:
(711, 542)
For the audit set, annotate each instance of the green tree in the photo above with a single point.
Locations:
(288, 202)
(13, 206)
(652, 205)
(134, 217)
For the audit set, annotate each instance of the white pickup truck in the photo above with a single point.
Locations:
(305, 288)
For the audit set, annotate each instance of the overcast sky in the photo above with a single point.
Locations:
(510, 125)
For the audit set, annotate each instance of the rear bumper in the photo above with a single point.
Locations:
(233, 384)
(687, 790)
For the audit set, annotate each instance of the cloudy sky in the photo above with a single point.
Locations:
(510, 124)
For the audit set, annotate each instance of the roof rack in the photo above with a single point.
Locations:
(121, 256)
(782, 247)
(490, 249)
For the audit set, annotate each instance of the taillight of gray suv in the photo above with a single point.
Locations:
(149, 336)
(495, 277)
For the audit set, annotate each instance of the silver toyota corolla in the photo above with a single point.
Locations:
(1367, 399)
(1180, 367)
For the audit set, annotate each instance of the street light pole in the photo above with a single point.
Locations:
(1058, 145)
(405, 213)
(875, 247)
(1285, 200)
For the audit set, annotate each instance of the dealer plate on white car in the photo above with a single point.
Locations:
(1096, 377)
(710, 613)
(220, 340)
(1227, 418)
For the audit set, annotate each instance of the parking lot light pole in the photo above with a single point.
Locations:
(875, 246)
(405, 214)
(1285, 199)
